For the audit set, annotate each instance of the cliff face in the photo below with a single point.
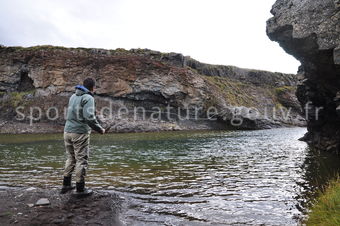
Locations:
(310, 31)
(45, 76)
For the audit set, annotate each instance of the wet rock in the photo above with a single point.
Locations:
(58, 221)
(337, 97)
(18, 196)
(31, 189)
(305, 138)
(42, 202)
(63, 210)
(309, 30)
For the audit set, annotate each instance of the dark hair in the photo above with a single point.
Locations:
(89, 83)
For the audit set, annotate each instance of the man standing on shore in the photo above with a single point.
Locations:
(79, 121)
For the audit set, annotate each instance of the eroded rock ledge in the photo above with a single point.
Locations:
(310, 31)
(45, 76)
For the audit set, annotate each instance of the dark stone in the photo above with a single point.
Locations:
(309, 30)
(337, 56)
(25, 83)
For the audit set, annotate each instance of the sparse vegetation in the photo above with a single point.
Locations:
(121, 50)
(50, 47)
(284, 89)
(83, 49)
(212, 102)
(326, 210)
(41, 47)
(285, 97)
(16, 98)
(139, 50)
(234, 92)
(278, 105)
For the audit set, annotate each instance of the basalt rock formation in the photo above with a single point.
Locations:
(140, 90)
(310, 31)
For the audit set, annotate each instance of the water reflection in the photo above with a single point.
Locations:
(182, 178)
(318, 168)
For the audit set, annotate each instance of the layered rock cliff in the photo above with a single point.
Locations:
(310, 31)
(140, 90)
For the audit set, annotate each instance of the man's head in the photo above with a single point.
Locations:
(89, 84)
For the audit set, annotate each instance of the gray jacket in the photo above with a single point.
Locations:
(81, 113)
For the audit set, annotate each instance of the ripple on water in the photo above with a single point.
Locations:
(183, 178)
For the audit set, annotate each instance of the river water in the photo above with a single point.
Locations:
(185, 178)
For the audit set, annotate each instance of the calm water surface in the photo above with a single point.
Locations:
(185, 178)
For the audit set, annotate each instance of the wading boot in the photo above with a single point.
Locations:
(81, 191)
(66, 185)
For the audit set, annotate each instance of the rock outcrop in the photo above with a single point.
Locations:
(24, 206)
(310, 31)
(140, 90)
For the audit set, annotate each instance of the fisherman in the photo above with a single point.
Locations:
(79, 121)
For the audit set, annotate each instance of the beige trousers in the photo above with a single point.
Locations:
(77, 151)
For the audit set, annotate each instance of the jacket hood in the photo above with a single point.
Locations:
(81, 90)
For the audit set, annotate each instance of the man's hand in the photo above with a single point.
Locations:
(105, 130)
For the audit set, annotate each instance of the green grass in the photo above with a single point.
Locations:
(233, 92)
(6, 214)
(326, 210)
(121, 50)
(17, 98)
(34, 48)
(284, 89)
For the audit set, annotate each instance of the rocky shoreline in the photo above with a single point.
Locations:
(37, 206)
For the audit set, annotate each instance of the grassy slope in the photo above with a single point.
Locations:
(237, 93)
(326, 210)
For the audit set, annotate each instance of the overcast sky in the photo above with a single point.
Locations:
(229, 32)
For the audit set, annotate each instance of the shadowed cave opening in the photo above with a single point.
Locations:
(26, 83)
